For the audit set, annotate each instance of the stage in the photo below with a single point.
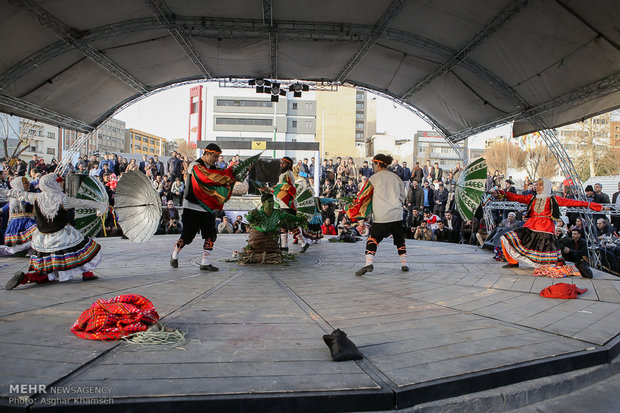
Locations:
(455, 324)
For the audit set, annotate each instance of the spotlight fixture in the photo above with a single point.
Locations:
(260, 84)
(275, 91)
(297, 88)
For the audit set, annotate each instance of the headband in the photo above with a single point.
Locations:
(379, 161)
(288, 161)
(212, 151)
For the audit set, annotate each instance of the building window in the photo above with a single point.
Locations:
(32, 132)
(51, 135)
(359, 125)
(244, 103)
(244, 121)
(294, 106)
(152, 141)
(359, 106)
(359, 135)
(359, 115)
(294, 124)
(152, 150)
(137, 139)
(51, 151)
(359, 95)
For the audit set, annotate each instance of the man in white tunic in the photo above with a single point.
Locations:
(387, 212)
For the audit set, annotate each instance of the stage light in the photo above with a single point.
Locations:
(275, 91)
(260, 85)
(297, 88)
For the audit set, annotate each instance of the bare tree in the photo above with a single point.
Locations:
(541, 163)
(24, 134)
(184, 149)
(591, 139)
(504, 154)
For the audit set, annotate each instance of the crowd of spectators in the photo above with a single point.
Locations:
(429, 211)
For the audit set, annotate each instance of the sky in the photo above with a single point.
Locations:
(165, 114)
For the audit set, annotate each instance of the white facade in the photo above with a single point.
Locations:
(44, 142)
(241, 114)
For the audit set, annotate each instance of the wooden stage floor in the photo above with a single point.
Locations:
(456, 323)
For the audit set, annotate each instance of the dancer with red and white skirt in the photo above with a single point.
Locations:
(61, 251)
(535, 244)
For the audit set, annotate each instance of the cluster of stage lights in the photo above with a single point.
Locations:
(274, 89)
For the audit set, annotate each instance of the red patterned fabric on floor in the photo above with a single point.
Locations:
(556, 271)
(562, 290)
(115, 318)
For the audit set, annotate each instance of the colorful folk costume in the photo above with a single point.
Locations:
(308, 206)
(61, 251)
(535, 244)
(206, 190)
(265, 224)
(21, 226)
(285, 193)
(382, 196)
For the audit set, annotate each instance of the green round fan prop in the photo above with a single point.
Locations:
(470, 188)
(86, 219)
(306, 202)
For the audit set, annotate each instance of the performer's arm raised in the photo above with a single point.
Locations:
(575, 203)
(524, 199)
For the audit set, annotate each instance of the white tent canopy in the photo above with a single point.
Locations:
(467, 65)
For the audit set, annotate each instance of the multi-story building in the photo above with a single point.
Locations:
(43, 140)
(341, 122)
(434, 147)
(346, 122)
(111, 137)
(144, 143)
(614, 130)
(242, 115)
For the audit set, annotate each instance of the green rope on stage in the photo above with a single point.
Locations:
(157, 335)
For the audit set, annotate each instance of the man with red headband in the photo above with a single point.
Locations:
(284, 193)
(195, 217)
(384, 194)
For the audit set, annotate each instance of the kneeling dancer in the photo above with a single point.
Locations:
(61, 251)
(18, 234)
(383, 194)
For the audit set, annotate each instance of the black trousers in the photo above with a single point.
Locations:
(380, 230)
(194, 221)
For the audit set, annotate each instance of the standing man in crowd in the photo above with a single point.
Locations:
(388, 195)
(428, 197)
(417, 174)
(437, 173)
(143, 164)
(365, 170)
(195, 218)
(174, 166)
(406, 176)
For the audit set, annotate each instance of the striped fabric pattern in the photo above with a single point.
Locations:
(212, 187)
(286, 192)
(20, 238)
(540, 257)
(65, 260)
(362, 206)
